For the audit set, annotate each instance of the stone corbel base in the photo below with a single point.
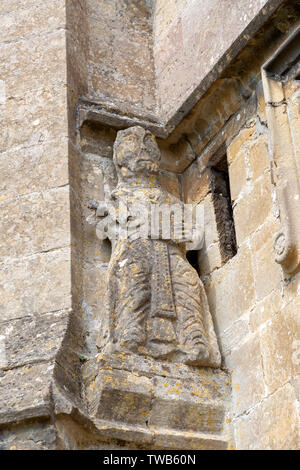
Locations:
(157, 405)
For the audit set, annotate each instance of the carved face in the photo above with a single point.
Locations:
(136, 152)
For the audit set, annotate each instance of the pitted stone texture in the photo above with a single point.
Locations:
(36, 222)
(25, 392)
(155, 303)
(31, 339)
(37, 284)
(272, 425)
(167, 404)
(193, 37)
(37, 168)
(120, 59)
(30, 436)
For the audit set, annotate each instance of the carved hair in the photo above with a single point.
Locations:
(140, 142)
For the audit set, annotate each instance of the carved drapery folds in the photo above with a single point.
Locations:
(155, 301)
(282, 94)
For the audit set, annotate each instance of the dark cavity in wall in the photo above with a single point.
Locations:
(223, 209)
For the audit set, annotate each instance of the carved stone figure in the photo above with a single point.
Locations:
(155, 302)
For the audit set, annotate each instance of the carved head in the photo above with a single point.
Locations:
(136, 152)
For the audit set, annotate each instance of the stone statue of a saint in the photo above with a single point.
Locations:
(155, 302)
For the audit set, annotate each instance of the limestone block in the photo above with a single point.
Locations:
(247, 375)
(259, 156)
(279, 347)
(42, 61)
(35, 222)
(122, 397)
(77, 22)
(25, 392)
(176, 157)
(187, 409)
(272, 425)
(115, 30)
(196, 185)
(170, 49)
(170, 182)
(210, 222)
(33, 436)
(190, 441)
(234, 336)
(203, 47)
(261, 103)
(37, 284)
(267, 273)
(209, 259)
(165, 14)
(239, 143)
(32, 18)
(237, 175)
(25, 122)
(97, 139)
(40, 167)
(227, 305)
(252, 209)
(77, 66)
(265, 309)
(31, 339)
(164, 404)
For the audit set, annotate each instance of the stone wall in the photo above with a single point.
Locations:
(255, 304)
(147, 62)
(196, 39)
(35, 212)
(120, 70)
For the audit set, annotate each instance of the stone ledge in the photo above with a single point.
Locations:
(155, 403)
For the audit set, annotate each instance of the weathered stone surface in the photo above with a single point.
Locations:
(31, 339)
(272, 425)
(32, 436)
(209, 259)
(265, 309)
(259, 156)
(34, 223)
(116, 31)
(252, 209)
(170, 182)
(37, 168)
(246, 366)
(279, 347)
(38, 284)
(122, 397)
(196, 185)
(191, 33)
(227, 305)
(36, 72)
(237, 176)
(25, 392)
(143, 403)
(157, 307)
(267, 273)
(239, 143)
(31, 18)
(176, 157)
(24, 121)
(234, 336)
(185, 409)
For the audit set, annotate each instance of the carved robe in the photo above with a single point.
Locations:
(155, 301)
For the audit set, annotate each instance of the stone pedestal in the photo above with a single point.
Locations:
(157, 404)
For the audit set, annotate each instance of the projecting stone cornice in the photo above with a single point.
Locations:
(248, 39)
(189, 130)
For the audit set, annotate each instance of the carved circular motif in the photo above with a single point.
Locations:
(280, 243)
